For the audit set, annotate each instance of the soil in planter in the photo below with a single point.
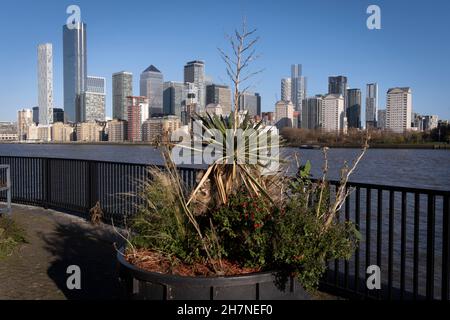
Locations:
(152, 261)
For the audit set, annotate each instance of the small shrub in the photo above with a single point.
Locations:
(11, 235)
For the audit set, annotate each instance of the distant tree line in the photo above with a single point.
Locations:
(298, 137)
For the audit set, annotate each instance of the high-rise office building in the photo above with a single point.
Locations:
(92, 100)
(122, 88)
(371, 105)
(381, 123)
(174, 97)
(75, 70)
(298, 86)
(151, 86)
(354, 108)
(45, 83)
(333, 114)
(219, 94)
(135, 118)
(338, 85)
(194, 72)
(24, 121)
(58, 115)
(286, 89)
(250, 102)
(399, 109)
(36, 115)
(284, 114)
(312, 113)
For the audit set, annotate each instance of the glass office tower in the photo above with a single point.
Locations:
(75, 70)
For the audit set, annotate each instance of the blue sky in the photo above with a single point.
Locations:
(329, 37)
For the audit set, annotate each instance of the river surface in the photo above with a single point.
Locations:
(397, 167)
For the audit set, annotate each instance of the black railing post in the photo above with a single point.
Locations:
(430, 246)
(391, 243)
(368, 229)
(445, 249)
(416, 245)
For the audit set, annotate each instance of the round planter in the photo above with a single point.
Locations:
(143, 285)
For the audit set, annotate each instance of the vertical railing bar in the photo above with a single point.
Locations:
(430, 247)
(403, 247)
(357, 222)
(368, 229)
(346, 263)
(391, 243)
(416, 245)
(379, 231)
(445, 249)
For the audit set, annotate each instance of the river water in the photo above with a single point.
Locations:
(397, 167)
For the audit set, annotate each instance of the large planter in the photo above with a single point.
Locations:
(143, 285)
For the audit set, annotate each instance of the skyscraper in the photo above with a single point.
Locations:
(45, 83)
(286, 89)
(75, 70)
(338, 85)
(194, 72)
(24, 121)
(371, 105)
(58, 115)
(135, 118)
(219, 94)
(354, 108)
(312, 113)
(250, 102)
(298, 86)
(122, 88)
(399, 109)
(152, 82)
(381, 123)
(36, 115)
(174, 95)
(92, 100)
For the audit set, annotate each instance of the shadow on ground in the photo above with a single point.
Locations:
(93, 251)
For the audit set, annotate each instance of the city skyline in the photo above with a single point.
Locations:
(277, 64)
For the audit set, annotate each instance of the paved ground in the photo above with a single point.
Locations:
(37, 270)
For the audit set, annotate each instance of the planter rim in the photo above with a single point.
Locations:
(162, 278)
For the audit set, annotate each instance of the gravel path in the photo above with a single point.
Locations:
(37, 270)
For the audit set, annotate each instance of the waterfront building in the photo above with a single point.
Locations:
(8, 132)
(381, 123)
(36, 115)
(174, 96)
(399, 109)
(194, 72)
(430, 122)
(298, 87)
(312, 113)
(219, 94)
(250, 102)
(122, 84)
(61, 132)
(24, 120)
(45, 83)
(39, 133)
(371, 105)
(75, 70)
(214, 109)
(286, 89)
(93, 102)
(160, 129)
(268, 118)
(136, 107)
(89, 132)
(333, 114)
(58, 115)
(284, 114)
(151, 87)
(117, 130)
(353, 112)
(338, 85)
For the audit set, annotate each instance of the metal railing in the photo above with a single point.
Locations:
(405, 231)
